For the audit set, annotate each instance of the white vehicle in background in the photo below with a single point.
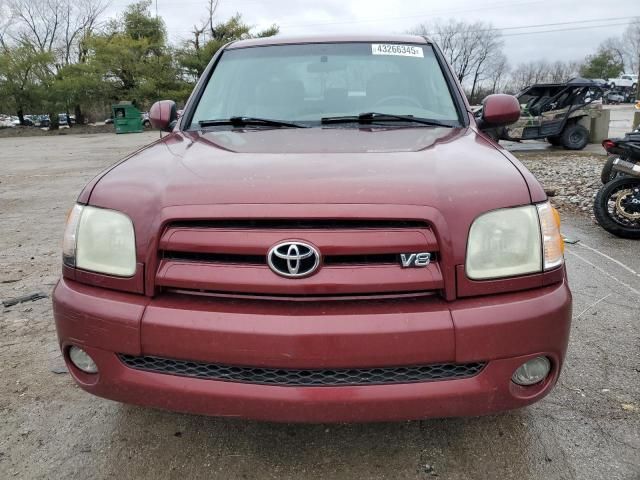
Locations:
(6, 121)
(625, 80)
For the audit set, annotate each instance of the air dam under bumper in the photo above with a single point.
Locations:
(502, 330)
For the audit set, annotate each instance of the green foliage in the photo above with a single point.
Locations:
(23, 78)
(128, 59)
(139, 24)
(193, 58)
(604, 64)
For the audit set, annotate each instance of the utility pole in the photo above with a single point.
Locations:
(636, 115)
(156, 9)
(638, 83)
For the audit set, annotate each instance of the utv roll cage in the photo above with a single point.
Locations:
(553, 111)
(541, 98)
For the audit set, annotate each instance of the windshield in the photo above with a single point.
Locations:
(305, 83)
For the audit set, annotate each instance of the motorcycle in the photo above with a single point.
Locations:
(626, 148)
(617, 203)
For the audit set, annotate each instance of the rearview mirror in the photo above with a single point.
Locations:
(163, 115)
(499, 110)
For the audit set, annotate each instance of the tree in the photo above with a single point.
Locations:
(602, 65)
(467, 46)
(474, 50)
(615, 46)
(631, 46)
(130, 60)
(55, 28)
(500, 69)
(21, 78)
(139, 24)
(194, 56)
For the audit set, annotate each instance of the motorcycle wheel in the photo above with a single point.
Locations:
(617, 207)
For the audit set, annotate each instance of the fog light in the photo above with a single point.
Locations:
(82, 360)
(533, 371)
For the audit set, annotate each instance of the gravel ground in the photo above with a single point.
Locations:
(571, 179)
(588, 428)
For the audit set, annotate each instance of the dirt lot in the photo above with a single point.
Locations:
(588, 428)
(40, 132)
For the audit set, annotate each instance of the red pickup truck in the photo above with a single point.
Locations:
(325, 235)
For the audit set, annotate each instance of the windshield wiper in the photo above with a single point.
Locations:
(244, 121)
(371, 117)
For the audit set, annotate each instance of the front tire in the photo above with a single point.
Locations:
(617, 207)
(574, 137)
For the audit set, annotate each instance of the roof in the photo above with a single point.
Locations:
(574, 82)
(329, 38)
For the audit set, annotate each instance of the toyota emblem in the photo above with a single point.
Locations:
(293, 259)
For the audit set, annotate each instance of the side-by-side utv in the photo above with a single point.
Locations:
(554, 111)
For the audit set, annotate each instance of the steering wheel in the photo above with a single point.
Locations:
(395, 99)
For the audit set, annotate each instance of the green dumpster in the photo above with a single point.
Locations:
(126, 118)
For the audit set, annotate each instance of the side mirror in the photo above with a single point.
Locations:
(499, 110)
(163, 115)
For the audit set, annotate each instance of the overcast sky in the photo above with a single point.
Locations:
(320, 16)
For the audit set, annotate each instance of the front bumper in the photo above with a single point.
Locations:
(502, 330)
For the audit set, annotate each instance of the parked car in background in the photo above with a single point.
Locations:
(325, 235)
(614, 97)
(27, 121)
(65, 120)
(627, 80)
(6, 121)
(602, 82)
(42, 121)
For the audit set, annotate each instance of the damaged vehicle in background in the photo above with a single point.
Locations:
(555, 112)
(325, 235)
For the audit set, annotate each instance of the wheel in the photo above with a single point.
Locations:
(607, 173)
(617, 207)
(574, 137)
(612, 86)
(555, 140)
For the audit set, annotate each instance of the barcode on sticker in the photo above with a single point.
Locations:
(402, 50)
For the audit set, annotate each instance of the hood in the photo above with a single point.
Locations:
(442, 175)
(400, 166)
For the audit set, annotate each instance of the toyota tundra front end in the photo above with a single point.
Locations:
(325, 235)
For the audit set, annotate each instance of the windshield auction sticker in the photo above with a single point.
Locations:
(401, 50)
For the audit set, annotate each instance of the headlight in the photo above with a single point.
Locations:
(100, 240)
(514, 241)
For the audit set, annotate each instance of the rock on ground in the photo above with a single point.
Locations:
(574, 177)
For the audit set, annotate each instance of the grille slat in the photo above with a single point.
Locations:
(287, 223)
(303, 377)
(231, 258)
